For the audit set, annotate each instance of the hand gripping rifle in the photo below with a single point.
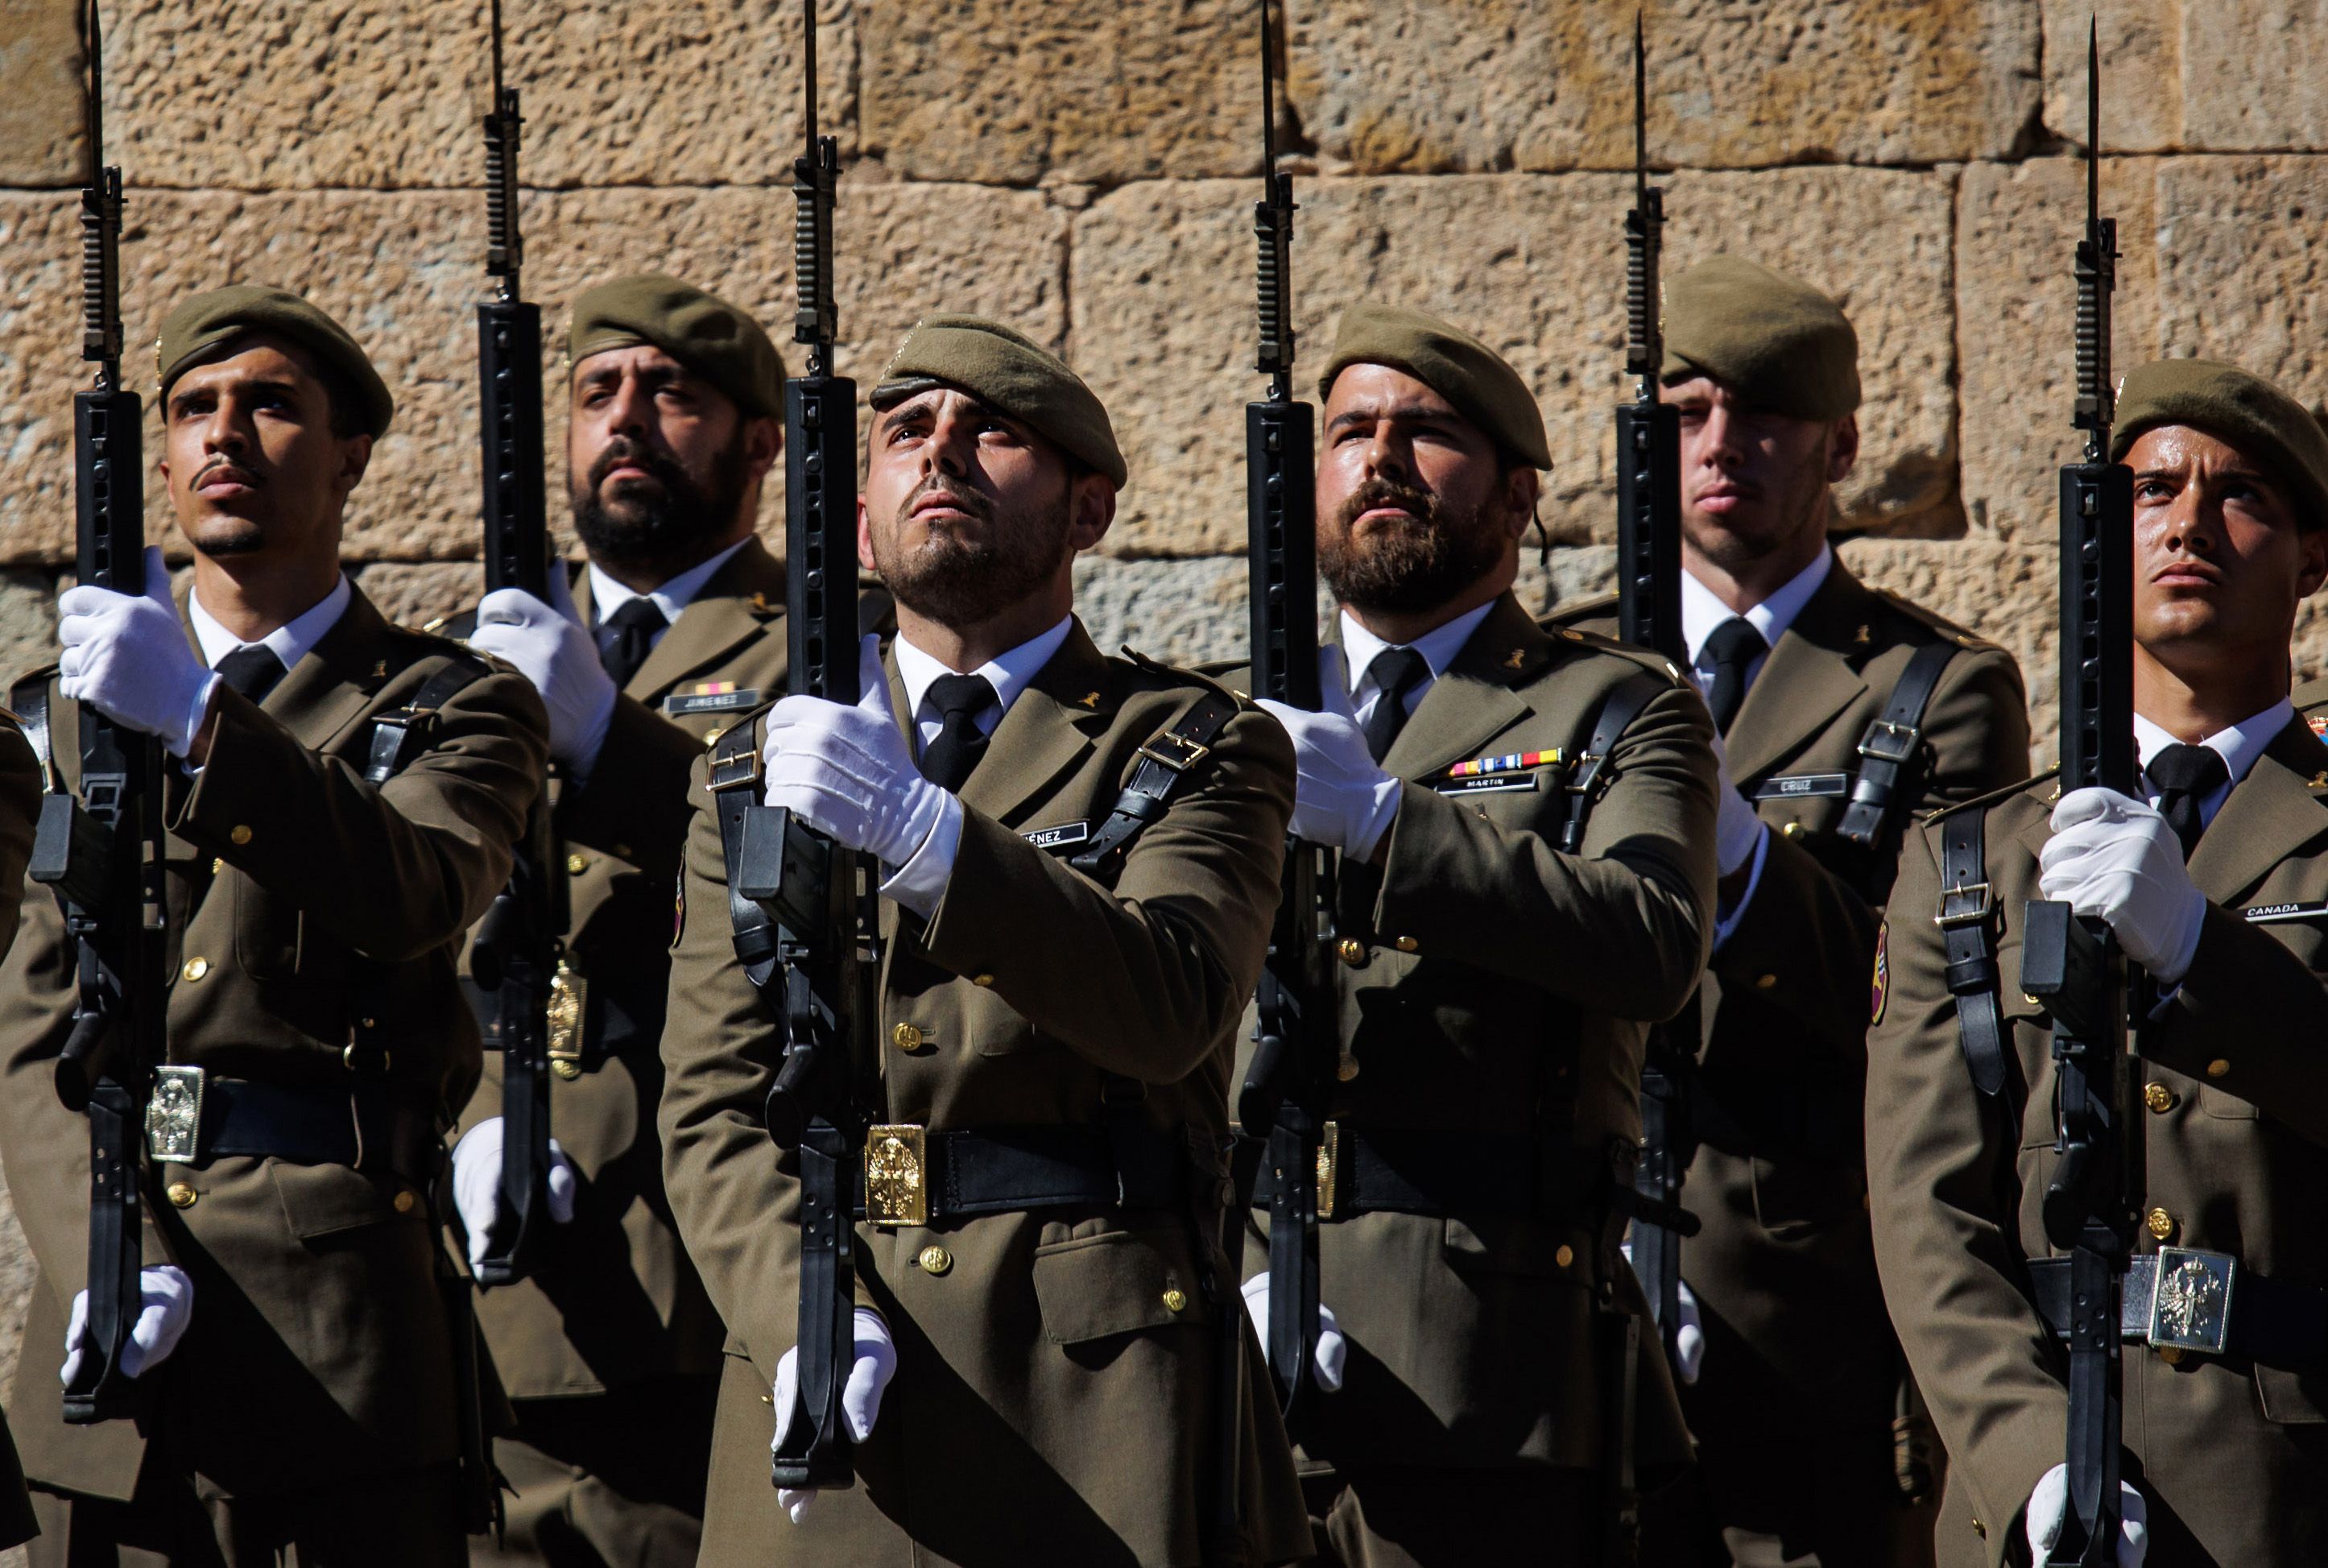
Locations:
(1297, 1043)
(803, 904)
(521, 938)
(2072, 964)
(1648, 615)
(102, 854)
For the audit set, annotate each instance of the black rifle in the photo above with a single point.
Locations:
(816, 894)
(1648, 615)
(521, 939)
(102, 854)
(1297, 1041)
(2072, 964)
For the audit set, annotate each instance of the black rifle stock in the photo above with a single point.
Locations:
(520, 940)
(818, 893)
(1649, 615)
(2072, 964)
(1297, 1043)
(102, 854)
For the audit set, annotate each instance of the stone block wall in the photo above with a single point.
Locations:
(1086, 169)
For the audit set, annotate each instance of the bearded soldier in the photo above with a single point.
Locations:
(1510, 924)
(343, 803)
(1843, 710)
(2213, 880)
(610, 1350)
(1071, 927)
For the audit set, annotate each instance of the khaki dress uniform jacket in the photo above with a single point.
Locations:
(20, 806)
(2232, 1452)
(315, 919)
(1799, 1348)
(1496, 989)
(1054, 1397)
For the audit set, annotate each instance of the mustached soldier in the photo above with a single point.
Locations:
(343, 803)
(1502, 952)
(609, 1350)
(1036, 1371)
(1843, 710)
(2214, 881)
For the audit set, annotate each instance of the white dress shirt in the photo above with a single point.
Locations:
(2240, 746)
(672, 596)
(291, 641)
(1702, 613)
(1438, 647)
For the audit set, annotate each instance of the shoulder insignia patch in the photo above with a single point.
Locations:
(1882, 980)
(2319, 723)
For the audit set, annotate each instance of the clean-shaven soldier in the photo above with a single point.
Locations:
(2213, 882)
(610, 1350)
(344, 797)
(1845, 712)
(1505, 942)
(1072, 928)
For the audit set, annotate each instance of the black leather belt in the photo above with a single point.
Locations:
(2185, 1299)
(1006, 1169)
(363, 1123)
(1440, 1171)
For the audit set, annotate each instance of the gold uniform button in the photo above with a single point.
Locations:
(1980, 1529)
(2158, 1097)
(1352, 951)
(1176, 1300)
(2170, 1354)
(406, 1201)
(566, 1070)
(196, 968)
(712, 739)
(181, 1196)
(1406, 945)
(1345, 1070)
(2218, 1068)
(936, 1260)
(981, 980)
(2160, 1223)
(576, 864)
(238, 835)
(1791, 830)
(907, 1037)
(1766, 981)
(1565, 1256)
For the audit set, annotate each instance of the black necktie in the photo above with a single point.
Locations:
(635, 624)
(1397, 671)
(947, 760)
(252, 670)
(2186, 775)
(1734, 645)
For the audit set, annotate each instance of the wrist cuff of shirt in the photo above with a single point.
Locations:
(1379, 817)
(1728, 920)
(920, 881)
(182, 744)
(592, 737)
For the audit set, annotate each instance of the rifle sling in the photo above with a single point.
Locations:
(1593, 773)
(1165, 763)
(1967, 920)
(1890, 747)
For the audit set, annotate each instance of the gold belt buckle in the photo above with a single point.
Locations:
(173, 1114)
(569, 994)
(1329, 1149)
(896, 1173)
(2190, 1301)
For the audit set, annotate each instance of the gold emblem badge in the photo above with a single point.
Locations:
(1089, 700)
(1518, 657)
(173, 1114)
(569, 996)
(897, 1184)
(2191, 1307)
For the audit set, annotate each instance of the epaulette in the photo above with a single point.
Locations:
(1649, 659)
(1994, 797)
(1182, 674)
(1935, 621)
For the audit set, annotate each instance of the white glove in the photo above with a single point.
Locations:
(1737, 831)
(126, 656)
(875, 1363)
(165, 1305)
(2115, 858)
(2049, 1509)
(1332, 1349)
(1689, 1332)
(1342, 798)
(849, 774)
(477, 1185)
(549, 646)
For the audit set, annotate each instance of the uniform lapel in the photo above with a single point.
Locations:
(1473, 701)
(2271, 815)
(1811, 675)
(1049, 729)
(333, 685)
(733, 607)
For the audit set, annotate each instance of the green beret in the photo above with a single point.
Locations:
(201, 329)
(2248, 411)
(1479, 381)
(1774, 341)
(1010, 373)
(702, 332)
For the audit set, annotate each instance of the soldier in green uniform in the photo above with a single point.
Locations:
(1071, 927)
(1843, 710)
(20, 807)
(2214, 880)
(343, 801)
(1509, 927)
(609, 1351)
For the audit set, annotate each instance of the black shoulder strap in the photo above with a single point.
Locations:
(1968, 919)
(735, 784)
(1889, 746)
(392, 730)
(30, 699)
(1164, 761)
(1589, 778)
